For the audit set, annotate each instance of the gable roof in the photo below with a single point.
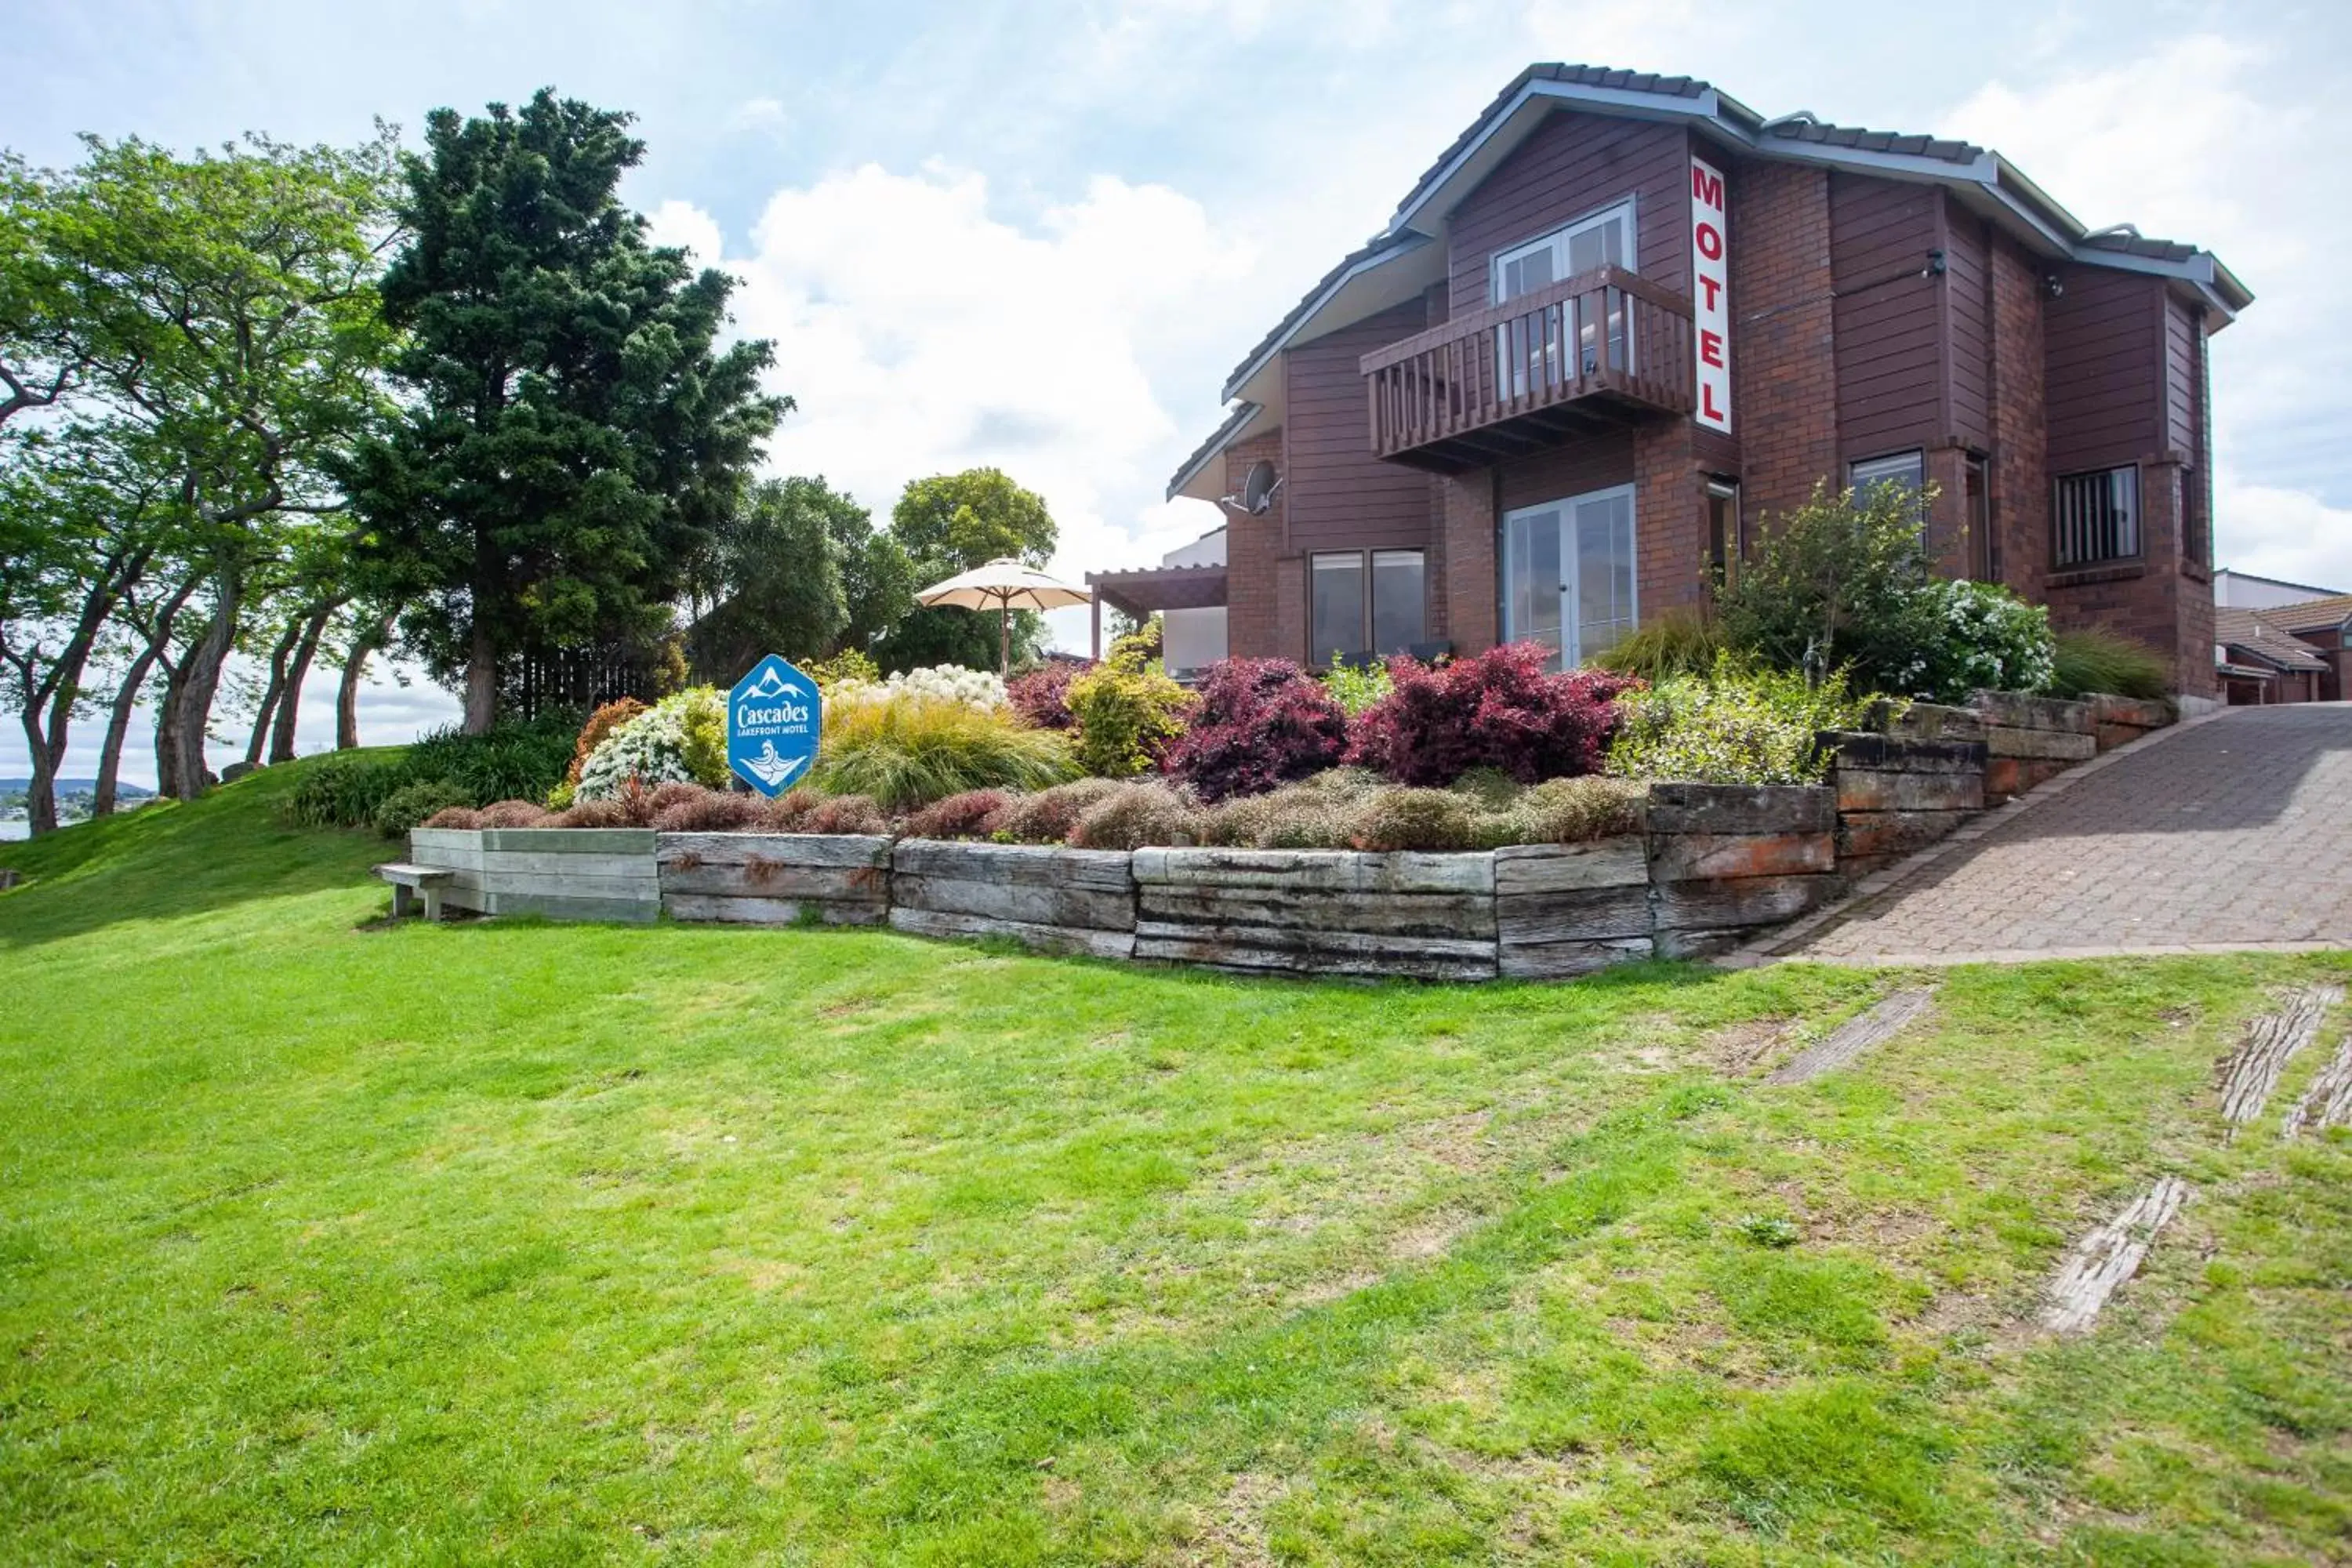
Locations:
(1801, 137)
(2311, 615)
(2253, 632)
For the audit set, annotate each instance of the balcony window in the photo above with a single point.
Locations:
(1359, 614)
(2095, 518)
(1530, 345)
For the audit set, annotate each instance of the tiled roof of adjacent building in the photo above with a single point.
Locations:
(2311, 615)
(2257, 633)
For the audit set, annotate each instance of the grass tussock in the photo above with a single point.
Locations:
(907, 753)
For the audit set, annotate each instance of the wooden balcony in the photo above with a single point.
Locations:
(1605, 348)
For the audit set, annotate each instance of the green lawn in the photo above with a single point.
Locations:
(324, 1242)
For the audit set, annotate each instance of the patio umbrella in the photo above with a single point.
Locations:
(1004, 585)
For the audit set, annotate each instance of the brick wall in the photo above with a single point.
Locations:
(1251, 545)
(1473, 603)
(1670, 548)
(2020, 469)
(1784, 370)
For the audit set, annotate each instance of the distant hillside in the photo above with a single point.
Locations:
(124, 789)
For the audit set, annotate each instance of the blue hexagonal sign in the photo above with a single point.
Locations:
(774, 716)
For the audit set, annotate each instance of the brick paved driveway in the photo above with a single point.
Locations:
(2236, 831)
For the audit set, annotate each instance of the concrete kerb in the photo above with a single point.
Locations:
(1774, 947)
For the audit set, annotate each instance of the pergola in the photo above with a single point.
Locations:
(1147, 590)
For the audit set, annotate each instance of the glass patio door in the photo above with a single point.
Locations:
(1530, 347)
(1568, 575)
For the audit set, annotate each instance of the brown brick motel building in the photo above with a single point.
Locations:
(1624, 318)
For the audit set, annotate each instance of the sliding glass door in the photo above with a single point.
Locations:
(1568, 575)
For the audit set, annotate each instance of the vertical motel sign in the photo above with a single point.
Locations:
(1711, 270)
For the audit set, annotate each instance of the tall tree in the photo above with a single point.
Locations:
(776, 570)
(82, 518)
(950, 523)
(223, 303)
(573, 434)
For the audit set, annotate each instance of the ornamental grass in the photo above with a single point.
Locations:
(910, 751)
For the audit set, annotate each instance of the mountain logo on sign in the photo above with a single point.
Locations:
(771, 769)
(771, 683)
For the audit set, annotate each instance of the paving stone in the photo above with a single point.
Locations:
(2236, 831)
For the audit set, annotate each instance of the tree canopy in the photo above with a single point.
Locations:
(950, 523)
(573, 435)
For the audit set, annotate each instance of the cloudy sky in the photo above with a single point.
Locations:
(1038, 236)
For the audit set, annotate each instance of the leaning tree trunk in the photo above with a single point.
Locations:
(289, 697)
(41, 791)
(271, 694)
(118, 731)
(188, 704)
(347, 695)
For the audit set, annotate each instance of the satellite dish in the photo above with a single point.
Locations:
(1259, 487)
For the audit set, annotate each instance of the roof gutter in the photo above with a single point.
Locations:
(1401, 245)
(1211, 448)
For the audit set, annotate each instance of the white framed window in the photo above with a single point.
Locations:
(1600, 238)
(1529, 346)
(1569, 577)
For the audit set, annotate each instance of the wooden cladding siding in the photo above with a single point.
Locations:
(2103, 369)
(1967, 310)
(2182, 331)
(1337, 494)
(1572, 164)
(1887, 323)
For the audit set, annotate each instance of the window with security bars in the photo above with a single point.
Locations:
(2095, 518)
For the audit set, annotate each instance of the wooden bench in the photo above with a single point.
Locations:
(410, 880)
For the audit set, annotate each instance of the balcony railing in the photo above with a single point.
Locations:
(1602, 348)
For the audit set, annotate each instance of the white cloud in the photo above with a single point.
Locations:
(767, 116)
(2291, 535)
(922, 332)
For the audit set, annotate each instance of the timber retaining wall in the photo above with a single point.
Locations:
(1712, 864)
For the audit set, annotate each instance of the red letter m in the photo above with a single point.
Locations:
(1706, 189)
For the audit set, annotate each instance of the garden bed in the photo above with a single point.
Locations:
(1715, 861)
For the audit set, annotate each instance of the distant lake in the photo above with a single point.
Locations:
(16, 829)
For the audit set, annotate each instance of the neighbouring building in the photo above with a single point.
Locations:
(2244, 591)
(2258, 660)
(1623, 317)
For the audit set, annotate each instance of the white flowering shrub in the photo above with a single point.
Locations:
(1977, 636)
(980, 689)
(682, 739)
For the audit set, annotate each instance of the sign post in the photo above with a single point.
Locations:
(774, 717)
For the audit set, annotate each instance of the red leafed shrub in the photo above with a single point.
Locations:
(1498, 710)
(1261, 723)
(788, 810)
(693, 809)
(454, 817)
(959, 815)
(592, 813)
(1042, 696)
(845, 814)
(514, 813)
